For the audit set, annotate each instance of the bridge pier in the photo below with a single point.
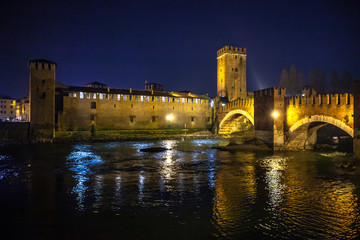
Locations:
(270, 116)
(356, 140)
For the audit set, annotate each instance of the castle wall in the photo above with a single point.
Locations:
(337, 106)
(42, 98)
(115, 112)
(270, 127)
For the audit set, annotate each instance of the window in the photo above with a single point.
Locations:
(132, 119)
(192, 119)
(114, 105)
(107, 96)
(236, 69)
(130, 97)
(118, 97)
(43, 95)
(147, 98)
(11, 106)
(141, 98)
(100, 96)
(163, 99)
(136, 98)
(93, 105)
(196, 100)
(81, 95)
(124, 97)
(94, 97)
(208, 119)
(154, 119)
(201, 101)
(92, 117)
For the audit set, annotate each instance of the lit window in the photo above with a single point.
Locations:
(178, 99)
(81, 95)
(201, 101)
(183, 100)
(118, 97)
(94, 97)
(100, 96)
(124, 97)
(147, 98)
(196, 100)
(136, 98)
(141, 98)
(163, 99)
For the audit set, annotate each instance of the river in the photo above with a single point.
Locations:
(112, 190)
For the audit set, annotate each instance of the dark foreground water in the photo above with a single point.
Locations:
(115, 191)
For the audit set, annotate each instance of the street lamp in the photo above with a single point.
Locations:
(275, 114)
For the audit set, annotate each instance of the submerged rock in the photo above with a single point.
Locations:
(154, 149)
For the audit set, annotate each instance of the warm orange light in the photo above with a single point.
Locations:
(275, 114)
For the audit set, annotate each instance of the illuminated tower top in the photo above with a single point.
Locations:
(231, 72)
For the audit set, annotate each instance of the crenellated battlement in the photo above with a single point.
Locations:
(238, 103)
(42, 64)
(321, 99)
(275, 91)
(231, 49)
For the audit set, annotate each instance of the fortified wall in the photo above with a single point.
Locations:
(269, 114)
(70, 108)
(84, 109)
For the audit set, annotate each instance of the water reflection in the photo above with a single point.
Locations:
(80, 161)
(141, 186)
(275, 167)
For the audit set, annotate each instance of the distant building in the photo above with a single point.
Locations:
(7, 109)
(153, 86)
(96, 85)
(23, 110)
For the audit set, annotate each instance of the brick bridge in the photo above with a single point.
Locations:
(287, 121)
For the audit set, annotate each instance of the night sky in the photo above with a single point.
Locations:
(124, 43)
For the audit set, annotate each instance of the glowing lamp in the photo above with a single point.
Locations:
(275, 114)
(169, 117)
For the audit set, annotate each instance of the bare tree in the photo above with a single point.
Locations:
(346, 82)
(292, 80)
(300, 82)
(334, 85)
(284, 79)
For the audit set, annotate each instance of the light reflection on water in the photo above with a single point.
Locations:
(81, 161)
(197, 191)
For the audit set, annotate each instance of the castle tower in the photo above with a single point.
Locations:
(231, 72)
(42, 98)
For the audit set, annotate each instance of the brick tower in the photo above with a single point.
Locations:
(231, 72)
(42, 98)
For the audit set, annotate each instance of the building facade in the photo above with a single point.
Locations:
(23, 110)
(231, 73)
(7, 109)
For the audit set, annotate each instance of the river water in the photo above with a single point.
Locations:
(112, 190)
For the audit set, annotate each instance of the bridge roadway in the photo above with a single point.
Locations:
(284, 122)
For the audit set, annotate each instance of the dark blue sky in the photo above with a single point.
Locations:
(124, 43)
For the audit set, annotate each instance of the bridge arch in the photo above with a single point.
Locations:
(230, 114)
(322, 118)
